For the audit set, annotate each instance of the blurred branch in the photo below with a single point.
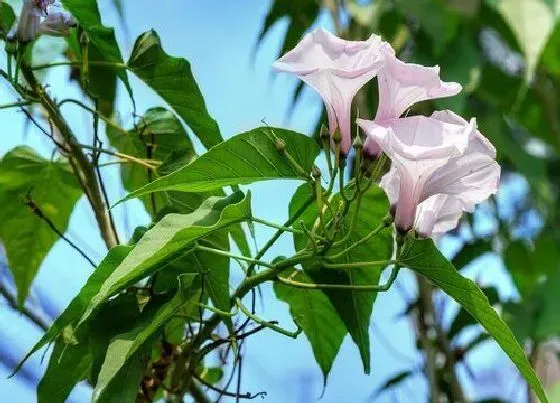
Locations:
(12, 302)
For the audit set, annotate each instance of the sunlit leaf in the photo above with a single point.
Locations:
(169, 239)
(423, 257)
(313, 311)
(172, 78)
(246, 158)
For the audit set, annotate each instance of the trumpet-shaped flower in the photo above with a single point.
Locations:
(336, 69)
(403, 84)
(57, 23)
(41, 17)
(438, 155)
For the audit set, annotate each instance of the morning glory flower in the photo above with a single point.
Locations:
(41, 17)
(336, 69)
(438, 155)
(403, 84)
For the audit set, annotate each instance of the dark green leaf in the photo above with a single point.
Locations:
(246, 158)
(394, 381)
(68, 365)
(169, 239)
(172, 79)
(313, 311)
(301, 15)
(7, 19)
(423, 257)
(211, 375)
(124, 346)
(87, 14)
(78, 305)
(353, 307)
(26, 178)
(159, 136)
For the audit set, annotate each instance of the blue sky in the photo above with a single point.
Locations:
(218, 38)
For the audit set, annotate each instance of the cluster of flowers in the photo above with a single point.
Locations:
(41, 17)
(441, 166)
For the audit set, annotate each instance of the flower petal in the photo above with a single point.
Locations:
(437, 215)
(336, 69)
(403, 84)
(471, 177)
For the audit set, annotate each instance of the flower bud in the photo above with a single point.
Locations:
(358, 143)
(280, 145)
(337, 137)
(316, 172)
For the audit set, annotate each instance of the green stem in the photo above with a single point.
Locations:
(107, 120)
(140, 161)
(279, 233)
(232, 256)
(384, 224)
(278, 227)
(218, 311)
(16, 104)
(353, 265)
(79, 63)
(270, 325)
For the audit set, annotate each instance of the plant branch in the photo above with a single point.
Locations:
(270, 325)
(12, 302)
(82, 167)
(229, 394)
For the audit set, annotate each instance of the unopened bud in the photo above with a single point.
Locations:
(280, 145)
(337, 137)
(325, 134)
(358, 143)
(316, 172)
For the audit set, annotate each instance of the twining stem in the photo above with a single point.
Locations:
(279, 233)
(278, 227)
(148, 164)
(81, 165)
(373, 263)
(270, 325)
(350, 287)
(232, 256)
(107, 121)
(384, 224)
(218, 311)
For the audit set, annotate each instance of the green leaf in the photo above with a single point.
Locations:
(353, 307)
(423, 257)
(313, 311)
(78, 305)
(159, 136)
(211, 375)
(464, 319)
(87, 14)
(102, 80)
(532, 22)
(170, 238)
(68, 365)
(435, 18)
(27, 238)
(246, 158)
(7, 19)
(518, 259)
(124, 346)
(172, 79)
(301, 15)
(78, 355)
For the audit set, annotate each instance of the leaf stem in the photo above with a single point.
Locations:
(232, 256)
(16, 104)
(353, 265)
(278, 227)
(127, 157)
(270, 325)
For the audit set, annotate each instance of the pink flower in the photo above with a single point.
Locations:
(41, 17)
(403, 84)
(442, 155)
(57, 23)
(336, 69)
